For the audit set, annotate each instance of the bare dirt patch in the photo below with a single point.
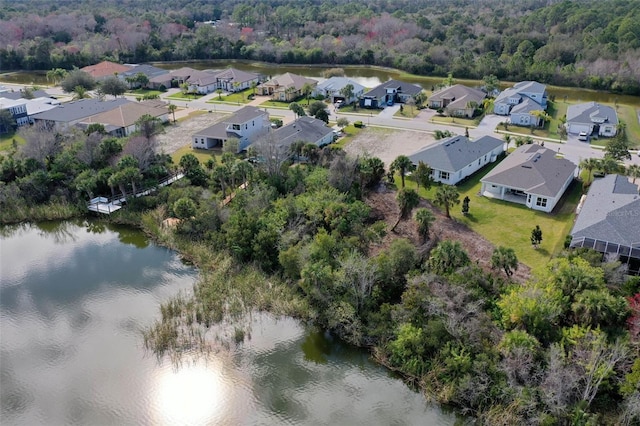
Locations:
(384, 207)
(178, 135)
(387, 144)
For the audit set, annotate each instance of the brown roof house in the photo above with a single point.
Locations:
(457, 100)
(531, 175)
(105, 69)
(286, 87)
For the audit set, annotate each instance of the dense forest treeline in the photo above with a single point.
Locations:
(592, 44)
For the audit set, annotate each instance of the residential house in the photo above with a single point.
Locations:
(203, 82)
(121, 120)
(22, 109)
(592, 117)
(20, 94)
(247, 124)
(71, 113)
(519, 101)
(305, 129)
(148, 70)
(285, 87)
(391, 91)
(233, 80)
(457, 100)
(453, 159)
(530, 175)
(105, 69)
(173, 78)
(331, 88)
(609, 218)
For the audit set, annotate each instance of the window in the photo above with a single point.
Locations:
(485, 158)
(444, 175)
(479, 160)
(529, 198)
(236, 127)
(541, 202)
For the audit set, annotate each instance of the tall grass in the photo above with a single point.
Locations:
(55, 210)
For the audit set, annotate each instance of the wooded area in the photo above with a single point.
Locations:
(592, 44)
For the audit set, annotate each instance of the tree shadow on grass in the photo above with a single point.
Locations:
(543, 251)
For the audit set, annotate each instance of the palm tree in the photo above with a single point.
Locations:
(296, 149)
(402, 164)
(219, 92)
(507, 139)
(347, 92)
(80, 93)
(633, 171)
(56, 75)
(609, 165)
(306, 90)
(447, 196)
(424, 218)
(172, 109)
(407, 200)
(447, 256)
(505, 258)
(590, 164)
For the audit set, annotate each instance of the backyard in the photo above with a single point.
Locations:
(6, 141)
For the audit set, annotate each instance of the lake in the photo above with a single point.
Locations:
(74, 297)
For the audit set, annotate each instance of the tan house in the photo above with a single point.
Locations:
(457, 100)
(286, 87)
(121, 120)
(105, 69)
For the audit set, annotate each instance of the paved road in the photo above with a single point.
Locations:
(572, 149)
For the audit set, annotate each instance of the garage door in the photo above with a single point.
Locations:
(574, 129)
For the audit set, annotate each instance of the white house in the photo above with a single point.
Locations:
(247, 124)
(122, 120)
(71, 113)
(530, 175)
(331, 88)
(592, 117)
(17, 108)
(520, 100)
(457, 157)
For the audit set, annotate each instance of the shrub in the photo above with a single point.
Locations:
(162, 88)
(358, 124)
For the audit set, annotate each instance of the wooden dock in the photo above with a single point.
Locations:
(109, 205)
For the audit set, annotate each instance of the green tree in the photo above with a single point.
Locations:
(491, 83)
(371, 171)
(192, 169)
(172, 109)
(504, 258)
(297, 109)
(342, 122)
(633, 171)
(402, 164)
(77, 78)
(113, 86)
(590, 164)
(423, 175)
(447, 196)
(618, 147)
(465, 205)
(307, 89)
(149, 126)
(347, 93)
(536, 236)
(141, 79)
(79, 92)
(447, 257)
(424, 218)
(609, 165)
(7, 122)
(56, 75)
(184, 208)
(407, 200)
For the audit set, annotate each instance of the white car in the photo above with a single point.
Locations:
(583, 136)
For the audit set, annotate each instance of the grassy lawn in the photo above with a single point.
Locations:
(508, 224)
(184, 97)
(407, 112)
(236, 98)
(627, 114)
(143, 92)
(465, 122)
(6, 141)
(349, 133)
(201, 154)
(285, 105)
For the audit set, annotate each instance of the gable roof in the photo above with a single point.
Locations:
(290, 80)
(149, 70)
(518, 88)
(610, 212)
(126, 115)
(404, 88)
(17, 94)
(105, 69)
(233, 74)
(307, 129)
(526, 106)
(532, 169)
(591, 112)
(202, 78)
(455, 153)
(458, 91)
(76, 110)
(335, 84)
(243, 115)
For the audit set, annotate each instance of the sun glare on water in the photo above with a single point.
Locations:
(190, 395)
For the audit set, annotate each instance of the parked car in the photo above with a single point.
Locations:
(583, 136)
(390, 102)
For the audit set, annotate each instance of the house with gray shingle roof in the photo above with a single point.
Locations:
(609, 218)
(305, 129)
(520, 100)
(234, 80)
(457, 100)
(392, 90)
(531, 175)
(71, 113)
(247, 124)
(331, 89)
(457, 157)
(285, 87)
(592, 117)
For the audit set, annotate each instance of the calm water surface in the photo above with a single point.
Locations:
(73, 299)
